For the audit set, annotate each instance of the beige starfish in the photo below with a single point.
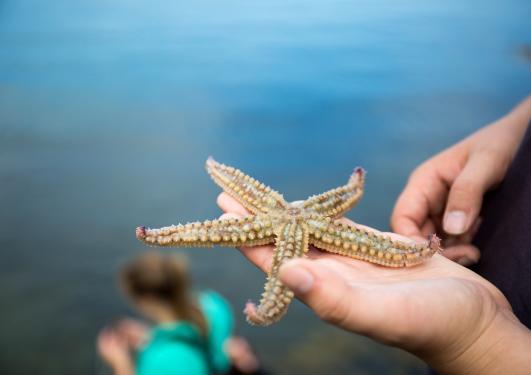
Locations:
(292, 227)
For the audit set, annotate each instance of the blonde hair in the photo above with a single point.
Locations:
(164, 278)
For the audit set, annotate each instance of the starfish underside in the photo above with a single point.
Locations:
(291, 227)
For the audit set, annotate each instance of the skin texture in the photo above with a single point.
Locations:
(447, 315)
(291, 227)
(445, 193)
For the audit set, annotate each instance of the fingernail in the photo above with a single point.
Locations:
(455, 222)
(297, 279)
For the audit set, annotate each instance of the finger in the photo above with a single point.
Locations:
(323, 290)
(229, 204)
(423, 195)
(466, 194)
(409, 213)
(474, 229)
(260, 256)
(230, 215)
(353, 306)
(428, 227)
(122, 341)
(465, 255)
(102, 336)
(106, 332)
(465, 238)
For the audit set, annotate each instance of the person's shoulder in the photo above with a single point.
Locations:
(216, 309)
(213, 301)
(171, 358)
(218, 314)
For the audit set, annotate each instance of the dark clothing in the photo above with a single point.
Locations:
(504, 238)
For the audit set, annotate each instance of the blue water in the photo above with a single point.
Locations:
(108, 110)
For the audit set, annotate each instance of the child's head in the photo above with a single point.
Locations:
(158, 286)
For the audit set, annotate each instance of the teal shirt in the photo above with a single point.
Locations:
(175, 348)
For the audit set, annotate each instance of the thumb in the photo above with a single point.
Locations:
(466, 194)
(318, 287)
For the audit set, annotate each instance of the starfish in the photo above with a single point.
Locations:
(291, 227)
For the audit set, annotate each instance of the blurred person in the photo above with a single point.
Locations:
(457, 320)
(192, 333)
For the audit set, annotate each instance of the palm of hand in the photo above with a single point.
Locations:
(399, 306)
(394, 306)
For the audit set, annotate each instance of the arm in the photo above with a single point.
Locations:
(444, 313)
(445, 193)
(503, 347)
(220, 325)
(113, 350)
(133, 331)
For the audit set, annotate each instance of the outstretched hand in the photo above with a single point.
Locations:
(439, 310)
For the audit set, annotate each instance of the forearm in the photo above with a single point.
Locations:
(518, 119)
(501, 138)
(522, 112)
(502, 348)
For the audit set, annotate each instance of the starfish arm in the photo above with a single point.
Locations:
(336, 202)
(248, 231)
(291, 242)
(360, 243)
(252, 194)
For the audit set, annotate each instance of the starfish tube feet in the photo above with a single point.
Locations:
(434, 243)
(358, 242)
(141, 233)
(247, 231)
(252, 315)
(291, 242)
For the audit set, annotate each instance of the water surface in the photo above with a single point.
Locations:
(108, 110)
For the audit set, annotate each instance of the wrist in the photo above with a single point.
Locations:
(501, 346)
(517, 121)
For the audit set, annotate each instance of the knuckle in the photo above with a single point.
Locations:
(418, 172)
(397, 223)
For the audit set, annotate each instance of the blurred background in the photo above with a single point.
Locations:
(109, 108)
